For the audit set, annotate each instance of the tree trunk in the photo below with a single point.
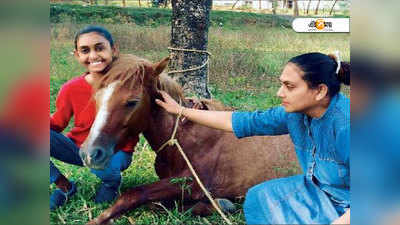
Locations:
(234, 4)
(296, 8)
(274, 6)
(190, 23)
(330, 13)
(308, 6)
(316, 8)
(124, 3)
(105, 2)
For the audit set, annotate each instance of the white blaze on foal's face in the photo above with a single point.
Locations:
(102, 97)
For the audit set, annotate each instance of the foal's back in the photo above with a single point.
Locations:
(230, 166)
(246, 162)
(243, 163)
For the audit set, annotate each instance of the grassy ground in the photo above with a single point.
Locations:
(244, 69)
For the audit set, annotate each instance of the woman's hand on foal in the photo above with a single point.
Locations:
(169, 104)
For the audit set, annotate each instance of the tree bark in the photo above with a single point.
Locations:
(308, 6)
(316, 8)
(190, 23)
(330, 13)
(296, 8)
(124, 3)
(234, 4)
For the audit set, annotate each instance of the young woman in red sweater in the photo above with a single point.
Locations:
(95, 50)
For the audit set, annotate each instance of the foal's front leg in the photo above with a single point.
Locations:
(159, 191)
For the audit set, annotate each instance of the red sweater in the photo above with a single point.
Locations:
(75, 99)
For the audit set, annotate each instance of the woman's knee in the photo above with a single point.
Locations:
(253, 205)
(108, 175)
(112, 173)
(120, 161)
(253, 195)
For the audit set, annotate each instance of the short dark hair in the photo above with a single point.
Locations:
(319, 68)
(98, 29)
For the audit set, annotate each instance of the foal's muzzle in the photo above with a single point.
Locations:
(95, 157)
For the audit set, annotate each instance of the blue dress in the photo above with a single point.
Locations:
(322, 145)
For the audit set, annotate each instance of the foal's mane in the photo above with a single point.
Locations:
(127, 68)
(131, 70)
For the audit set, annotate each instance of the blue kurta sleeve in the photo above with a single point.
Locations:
(270, 122)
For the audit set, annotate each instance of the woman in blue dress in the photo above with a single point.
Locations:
(317, 118)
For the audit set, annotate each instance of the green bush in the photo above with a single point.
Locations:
(155, 16)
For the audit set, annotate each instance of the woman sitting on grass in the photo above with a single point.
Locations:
(317, 117)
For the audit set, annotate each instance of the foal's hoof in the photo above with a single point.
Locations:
(225, 205)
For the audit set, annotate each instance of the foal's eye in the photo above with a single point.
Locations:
(131, 103)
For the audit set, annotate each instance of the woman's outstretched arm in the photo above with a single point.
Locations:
(221, 120)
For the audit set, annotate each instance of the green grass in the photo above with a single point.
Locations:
(243, 74)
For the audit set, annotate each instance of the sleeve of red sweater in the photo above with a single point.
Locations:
(61, 117)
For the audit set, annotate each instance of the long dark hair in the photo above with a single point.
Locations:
(319, 68)
(97, 29)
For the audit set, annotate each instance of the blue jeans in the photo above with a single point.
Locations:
(290, 200)
(64, 149)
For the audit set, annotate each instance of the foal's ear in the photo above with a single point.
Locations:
(160, 66)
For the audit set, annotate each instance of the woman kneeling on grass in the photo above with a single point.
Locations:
(317, 117)
(95, 50)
